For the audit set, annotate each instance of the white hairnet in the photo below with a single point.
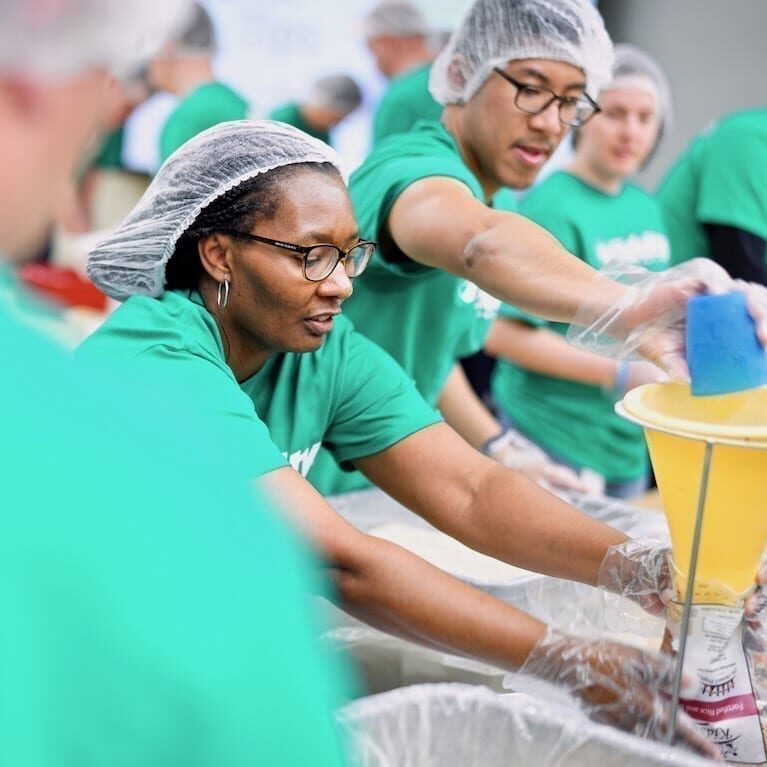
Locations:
(398, 18)
(633, 66)
(495, 32)
(56, 40)
(337, 92)
(132, 260)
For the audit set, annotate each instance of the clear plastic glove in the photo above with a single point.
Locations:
(649, 320)
(616, 684)
(638, 373)
(640, 569)
(513, 450)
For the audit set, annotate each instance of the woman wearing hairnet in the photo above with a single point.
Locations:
(235, 265)
(514, 78)
(560, 397)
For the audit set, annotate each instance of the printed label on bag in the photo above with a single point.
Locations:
(720, 697)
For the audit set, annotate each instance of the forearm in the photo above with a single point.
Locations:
(490, 508)
(514, 519)
(387, 587)
(394, 590)
(522, 264)
(544, 351)
(465, 412)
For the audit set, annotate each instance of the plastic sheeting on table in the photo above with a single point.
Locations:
(455, 725)
(566, 605)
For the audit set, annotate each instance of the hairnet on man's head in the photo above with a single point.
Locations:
(339, 93)
(133, 259)
(58, 40)
(396, 18)
(495, 32)
(197, 36)
(633, 66)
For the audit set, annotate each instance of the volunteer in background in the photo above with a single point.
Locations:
(558, 396)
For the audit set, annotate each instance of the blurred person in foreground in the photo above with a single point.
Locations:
(154, 608)
(330, 100)
(560, 397)
(398, 38)
(714, 197)
(184, 68)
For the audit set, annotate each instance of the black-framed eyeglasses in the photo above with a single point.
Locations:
(319, 261)
(573, 110)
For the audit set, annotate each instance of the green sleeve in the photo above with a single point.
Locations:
(391, 118)
(179, 128)
(375, 189)
(732, 180)
(377, 403)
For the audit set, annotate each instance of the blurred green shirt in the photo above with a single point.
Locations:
(202, 108)
(155, 611)
(291, 114)
(720, 179)
(405, 101)
(576, 421)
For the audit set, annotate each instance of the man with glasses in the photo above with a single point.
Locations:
(513, 81)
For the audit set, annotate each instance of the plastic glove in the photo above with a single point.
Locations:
(616, 684)
(516, 452)
(637, 373)
(640, 570)
(649, 320)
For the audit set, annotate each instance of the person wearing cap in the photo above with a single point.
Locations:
(234, 269)
(514, 78)
(184, 68)
(397, 36)
(714, 198)
(136, 571)
(563, 398)
(330, 100)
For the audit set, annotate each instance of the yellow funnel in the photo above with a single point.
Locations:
(677, 427)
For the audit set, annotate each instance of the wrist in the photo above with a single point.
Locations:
(489, 446)
(622, 370)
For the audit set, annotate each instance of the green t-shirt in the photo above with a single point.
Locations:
(406, 100)
(573, 420)
(720, 179)
(110, 154)
(425, 318)
(202, 108)
(348, 396)
(156, 612)
(290, 114)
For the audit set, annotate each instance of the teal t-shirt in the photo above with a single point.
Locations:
(110, 154)
(574, 420)
(202, 108)
(406, 100)
(290, 114)
(349, 395)
(156, 612)
(425, 318)
(720, 179)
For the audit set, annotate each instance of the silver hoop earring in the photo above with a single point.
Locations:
(222, 293)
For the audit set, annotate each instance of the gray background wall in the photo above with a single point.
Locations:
(714, 53)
